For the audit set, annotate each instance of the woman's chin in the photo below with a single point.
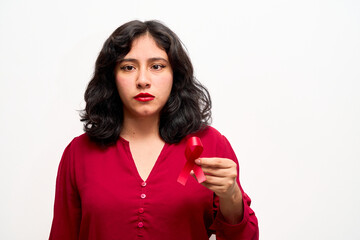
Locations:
(147, 114)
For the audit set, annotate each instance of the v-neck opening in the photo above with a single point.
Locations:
(133, 164)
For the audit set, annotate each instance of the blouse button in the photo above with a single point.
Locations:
(143, 184)
(140, 224)
(143, 195)
(141, 210)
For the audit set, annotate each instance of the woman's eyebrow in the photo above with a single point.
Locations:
(148, 60)
(157, 59)
(127, 60)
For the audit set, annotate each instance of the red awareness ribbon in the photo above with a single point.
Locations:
(193, 151)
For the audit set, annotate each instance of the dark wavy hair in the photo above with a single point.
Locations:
(187, 110)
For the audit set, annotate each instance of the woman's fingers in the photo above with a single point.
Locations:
(214, 180)
(220, 172)
(222, 190)
(215, 162)
(218, 179)
(221, 167)
(220, 175)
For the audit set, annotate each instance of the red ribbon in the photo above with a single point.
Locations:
(193, 151)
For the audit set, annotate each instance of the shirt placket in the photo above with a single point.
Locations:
(141, 209)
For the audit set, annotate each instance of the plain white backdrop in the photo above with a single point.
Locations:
(284, 77)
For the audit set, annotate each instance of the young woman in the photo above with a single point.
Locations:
(119, 179)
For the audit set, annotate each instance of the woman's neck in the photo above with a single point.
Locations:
(140, 128)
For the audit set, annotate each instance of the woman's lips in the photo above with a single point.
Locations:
(144, 97)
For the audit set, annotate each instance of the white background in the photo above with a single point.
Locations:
(284, 79)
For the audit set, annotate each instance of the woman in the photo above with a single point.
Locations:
(119, 179)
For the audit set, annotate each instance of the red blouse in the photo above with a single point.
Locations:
(100, 195)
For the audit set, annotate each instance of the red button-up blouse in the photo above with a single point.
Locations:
(100, 195)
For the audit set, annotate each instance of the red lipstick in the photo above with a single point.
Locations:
(144, 97)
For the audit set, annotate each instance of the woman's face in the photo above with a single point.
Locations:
(144, 79)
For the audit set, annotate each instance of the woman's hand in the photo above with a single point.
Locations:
(221, 174)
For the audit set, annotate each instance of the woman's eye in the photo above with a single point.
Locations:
(127, 68)
(158, 66)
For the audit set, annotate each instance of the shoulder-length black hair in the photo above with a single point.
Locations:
(187, 110)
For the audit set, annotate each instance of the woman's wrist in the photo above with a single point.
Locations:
(231, 206)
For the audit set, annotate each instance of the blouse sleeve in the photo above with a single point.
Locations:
(67, 207)
(247, 229)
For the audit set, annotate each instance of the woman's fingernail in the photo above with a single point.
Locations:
(197, 161)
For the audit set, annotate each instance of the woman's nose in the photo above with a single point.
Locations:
(143, 80)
